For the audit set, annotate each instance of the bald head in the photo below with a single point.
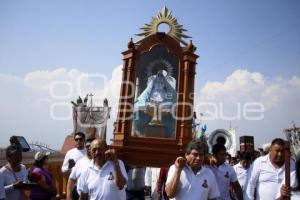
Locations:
(98, 148)
(97, 142)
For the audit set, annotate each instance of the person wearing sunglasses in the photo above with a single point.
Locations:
(74, 154)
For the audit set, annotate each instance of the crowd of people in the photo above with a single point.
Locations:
(261, 179)
(95, 173)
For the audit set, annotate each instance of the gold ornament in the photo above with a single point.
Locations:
(165, 17)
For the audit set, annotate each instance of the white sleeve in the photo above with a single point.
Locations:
(213, 190)
(123, 170)
(82, 186)
(74, 172)
(2, 191)
(247, 179)
(235, 168)
(25, 174)
(65, 165)
(7, 188)
(170, 174)
(233, 176)
(253, 178)
(294, 182)
(148, 177)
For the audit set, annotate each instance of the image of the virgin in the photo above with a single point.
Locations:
(153, 108)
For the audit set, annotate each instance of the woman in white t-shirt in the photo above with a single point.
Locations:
(14, 174)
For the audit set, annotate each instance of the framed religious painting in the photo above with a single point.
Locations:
(155, 99)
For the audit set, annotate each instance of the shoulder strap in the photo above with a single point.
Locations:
(13, 173)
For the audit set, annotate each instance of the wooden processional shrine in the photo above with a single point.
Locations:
(155, 112)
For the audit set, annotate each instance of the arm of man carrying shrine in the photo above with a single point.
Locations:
(172, 185)
(120, 179)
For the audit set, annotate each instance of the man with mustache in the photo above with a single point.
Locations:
(74, 154)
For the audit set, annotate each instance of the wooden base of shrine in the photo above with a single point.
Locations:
(155, 130)
(149, 151)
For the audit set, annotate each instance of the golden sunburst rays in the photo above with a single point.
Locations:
(176, 30)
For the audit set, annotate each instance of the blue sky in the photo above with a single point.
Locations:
(90, 35)
(257, 36)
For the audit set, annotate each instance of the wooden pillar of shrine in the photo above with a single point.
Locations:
(123, 123)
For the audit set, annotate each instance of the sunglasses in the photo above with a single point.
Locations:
(77, 139)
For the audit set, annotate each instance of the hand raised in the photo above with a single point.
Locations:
(110, 154)
(180, 162)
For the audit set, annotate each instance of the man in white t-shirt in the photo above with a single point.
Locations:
(77, 170)
(267, 173)
(105, 177)
(188, 179)
(72, 156)
(225, 174)
(242, 169)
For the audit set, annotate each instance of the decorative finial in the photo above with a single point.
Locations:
(191, 47)
(165, 17)
(130, 44)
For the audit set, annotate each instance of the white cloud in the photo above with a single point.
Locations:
(279, 98)
(27, 101)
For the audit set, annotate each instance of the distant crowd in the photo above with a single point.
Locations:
(95, 173)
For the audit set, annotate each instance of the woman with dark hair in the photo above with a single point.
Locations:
(45, 189)
(14, 174)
